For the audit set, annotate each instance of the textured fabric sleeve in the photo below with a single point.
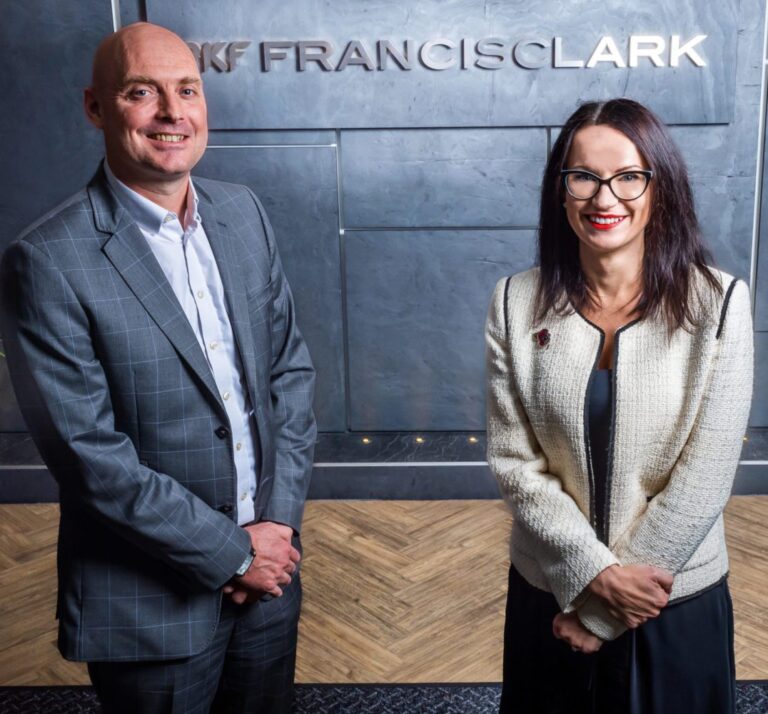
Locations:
(569, 552)
(66, 401)
(292, 387)
(679, 518)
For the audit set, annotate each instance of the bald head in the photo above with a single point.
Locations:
(113, 53)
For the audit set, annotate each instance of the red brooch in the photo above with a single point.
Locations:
(542, 338)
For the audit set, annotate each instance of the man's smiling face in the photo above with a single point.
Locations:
(148, 100)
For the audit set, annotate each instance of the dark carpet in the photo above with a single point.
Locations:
(752, 698)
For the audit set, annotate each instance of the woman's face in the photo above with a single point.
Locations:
(606, 224)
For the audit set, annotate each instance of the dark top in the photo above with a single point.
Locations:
(599, 415)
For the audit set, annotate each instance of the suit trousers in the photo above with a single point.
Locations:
(248, 667)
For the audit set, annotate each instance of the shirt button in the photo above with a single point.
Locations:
(238, 446)
(225, 396)
(243, 497)
(200, 294)
(213, 345)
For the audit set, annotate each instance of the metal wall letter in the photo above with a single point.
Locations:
(486, 48)
(653, 52)
(196, 50)
(431, 62)
(212, 57)
(606, 51)
(321, 57)
(235, 50)
(676, 51)
(385, 48)
(273, 51)
(355, 53)
(558, 60)
(520, 56)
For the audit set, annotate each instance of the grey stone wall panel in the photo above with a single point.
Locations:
(759, 415)
(49, 150)
(417, 303)
(442, 177)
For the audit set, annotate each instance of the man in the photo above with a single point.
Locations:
(154, 351)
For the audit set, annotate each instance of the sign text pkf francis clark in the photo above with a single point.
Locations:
(489, 53)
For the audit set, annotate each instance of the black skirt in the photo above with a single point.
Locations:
(678, 663)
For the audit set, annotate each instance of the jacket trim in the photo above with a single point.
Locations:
(705, 589)
(506, 308)
(724, 309)
(605, 532)
(602, 529)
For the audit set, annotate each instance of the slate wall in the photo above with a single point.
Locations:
(399, 197)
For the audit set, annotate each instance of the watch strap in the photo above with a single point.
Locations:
(243, 569)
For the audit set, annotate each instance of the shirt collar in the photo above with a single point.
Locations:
(149, 215)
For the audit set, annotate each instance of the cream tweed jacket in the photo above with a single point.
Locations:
(681, 404)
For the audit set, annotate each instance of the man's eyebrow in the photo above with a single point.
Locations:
(137, 79)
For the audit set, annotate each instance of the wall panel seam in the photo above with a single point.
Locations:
(271, 146)
(116, 24)
(343, 279)
(756, 219)
(421, 229)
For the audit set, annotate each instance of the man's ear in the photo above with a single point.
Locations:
(92, 108)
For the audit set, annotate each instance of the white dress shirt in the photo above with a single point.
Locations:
(187, 260)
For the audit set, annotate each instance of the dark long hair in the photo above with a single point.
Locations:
(673, 244)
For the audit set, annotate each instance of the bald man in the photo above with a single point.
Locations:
(154, 352)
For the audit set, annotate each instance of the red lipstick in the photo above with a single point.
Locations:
(613, 221)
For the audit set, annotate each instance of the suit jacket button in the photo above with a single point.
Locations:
(222, 432)
(226, 508)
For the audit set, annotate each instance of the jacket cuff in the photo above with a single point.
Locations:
(286, 511)
(578, 574)
(233, 558)
(595, 617)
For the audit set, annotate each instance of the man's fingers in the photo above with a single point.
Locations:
(295, 555)
(239, 596)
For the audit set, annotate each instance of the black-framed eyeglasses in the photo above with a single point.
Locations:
(625, 185)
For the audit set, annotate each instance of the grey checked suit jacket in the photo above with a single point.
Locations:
(120, 400)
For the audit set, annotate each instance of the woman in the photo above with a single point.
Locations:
(619, 385)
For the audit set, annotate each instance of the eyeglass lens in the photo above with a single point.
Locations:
(625, 186)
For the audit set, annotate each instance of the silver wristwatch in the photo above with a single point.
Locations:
(243, 569)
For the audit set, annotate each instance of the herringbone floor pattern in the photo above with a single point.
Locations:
(395, 591)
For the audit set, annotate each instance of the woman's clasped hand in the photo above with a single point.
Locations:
(633, 594)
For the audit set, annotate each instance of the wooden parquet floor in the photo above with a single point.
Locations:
(394, 591)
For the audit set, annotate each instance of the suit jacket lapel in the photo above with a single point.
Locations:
(233, 280)
(132, 257)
